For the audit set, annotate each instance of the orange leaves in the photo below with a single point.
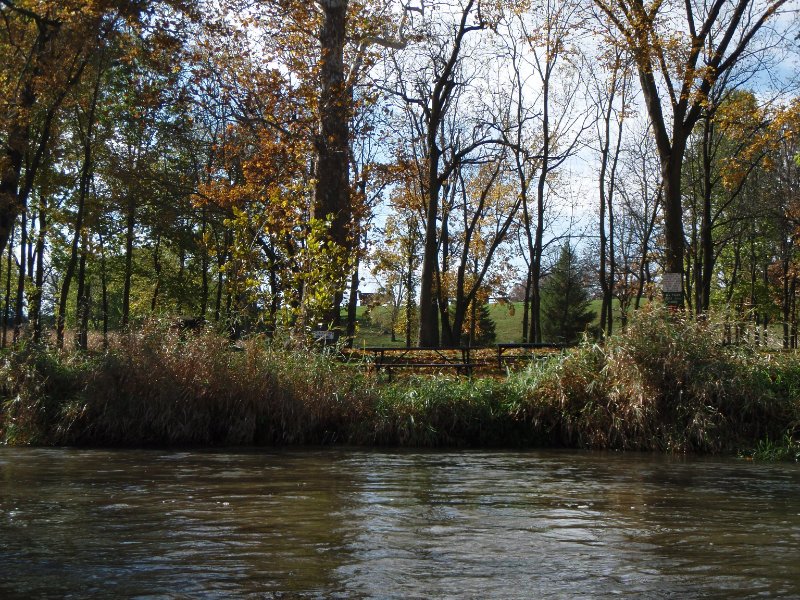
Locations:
(264, 173)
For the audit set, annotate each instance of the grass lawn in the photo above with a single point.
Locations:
(508, 325)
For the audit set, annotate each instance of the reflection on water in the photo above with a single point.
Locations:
(340, 523)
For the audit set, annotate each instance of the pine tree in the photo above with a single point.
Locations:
(565, 300)
(480, 327)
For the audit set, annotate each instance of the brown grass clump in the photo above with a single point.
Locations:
(156, 387)
(666, 383)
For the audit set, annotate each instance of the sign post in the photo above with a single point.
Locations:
(672, 288)
(324, 336)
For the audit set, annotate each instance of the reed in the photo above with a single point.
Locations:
(156, 387)
(446, 411)
(665, 383)
(786, 449)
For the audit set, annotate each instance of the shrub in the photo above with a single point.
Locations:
(664, 383)
(444, 411)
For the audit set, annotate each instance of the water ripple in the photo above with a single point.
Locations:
(339, 523)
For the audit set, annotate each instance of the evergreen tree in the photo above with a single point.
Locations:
(565, 300)
(481, 328)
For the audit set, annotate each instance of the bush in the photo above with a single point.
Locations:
(444, 411)
(36, 386)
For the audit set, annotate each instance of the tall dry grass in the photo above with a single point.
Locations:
(666, 383)
(156, 386)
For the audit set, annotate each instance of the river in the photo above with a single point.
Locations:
(391, 524)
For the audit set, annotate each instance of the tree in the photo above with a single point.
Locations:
(610, 91)
(545, 129)
(721, 156)
(681, 50)
(295, 105)
(487, 207)
(428, 86)
(480, 327)
(45, 49)
(395, 260)
(332, 201)
(639, 188)
(565, 300)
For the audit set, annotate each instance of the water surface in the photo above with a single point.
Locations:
(352, 523)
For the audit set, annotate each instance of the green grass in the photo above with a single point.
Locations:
(785, 450)
(508, 325)
(367, 334)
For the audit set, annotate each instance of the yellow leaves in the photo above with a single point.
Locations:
(761, 134)
(741, 123)
(757, 133)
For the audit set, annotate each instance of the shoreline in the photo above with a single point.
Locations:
(663, 386)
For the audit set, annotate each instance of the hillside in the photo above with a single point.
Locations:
(508, 326)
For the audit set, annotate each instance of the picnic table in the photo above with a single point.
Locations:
(389, 358)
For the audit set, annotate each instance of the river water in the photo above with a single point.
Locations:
(380, 524)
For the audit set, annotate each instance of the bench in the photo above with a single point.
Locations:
(508, 353)
(389, 358)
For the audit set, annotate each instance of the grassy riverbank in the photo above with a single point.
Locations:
(664, 385)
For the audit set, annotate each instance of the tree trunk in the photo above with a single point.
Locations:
(222, 257)
(606, 302)
(673, 208)
(706, 241)
(644, 265)
(20, 298)
(409, 294)
(332, 191)
(526, 306)
(536, 260)
(204, 264)
(352, 305)
(448, 333)
(157, 269)
(36, 304)
(31, 260)
(753, 279)
(83, 324)
(786, 303)
(130, 222)
(606, 318)
(793, 315)
(428, 305)
(18, 138)
(181, 275)
(438, 103)
(17, 141)
(83, 191)
(694, 275)
(7, 307)
(104, 292)
(81, 301)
